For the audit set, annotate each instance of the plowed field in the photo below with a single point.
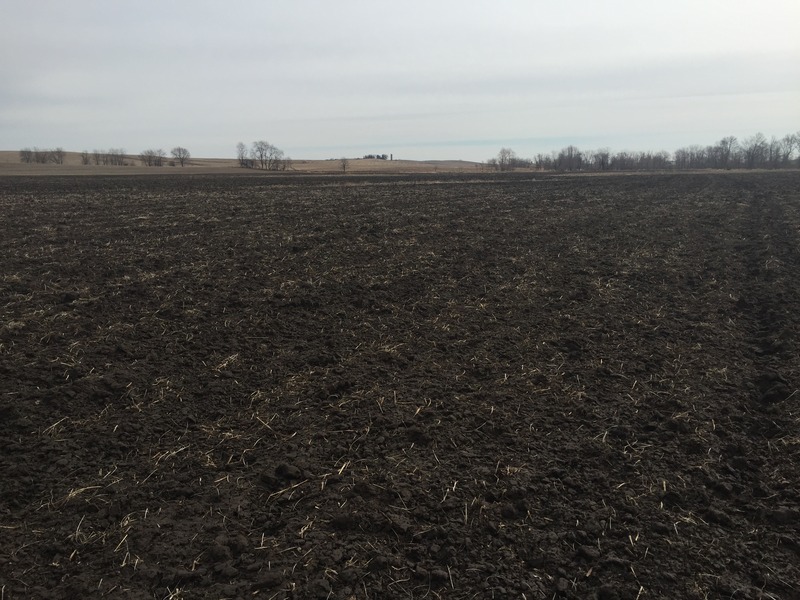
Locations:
(236, 387)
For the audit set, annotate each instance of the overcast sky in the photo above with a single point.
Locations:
(430, 79)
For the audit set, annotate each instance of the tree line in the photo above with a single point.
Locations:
(157, 157)
(754, 152)
(261, 154)
(111, 157)
(42, 155)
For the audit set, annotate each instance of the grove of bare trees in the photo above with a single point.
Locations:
(152, 157)
(754, 152)
(42, 155)
(507, 160)
(262, 155)
(113, 156)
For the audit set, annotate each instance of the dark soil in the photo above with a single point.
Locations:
(400, 388)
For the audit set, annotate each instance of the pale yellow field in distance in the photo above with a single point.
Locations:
(11, 165)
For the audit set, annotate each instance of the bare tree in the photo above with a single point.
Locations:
(506, 159)
(242, 156)
(40, 156)
(181, 155)
(569, 159)
(26, 155)
(275, 159)
(790, 142)
(260, 153)
(727, 147)
(624, 161)
(56, 155)
(660, 160)
(344, 164)
(116, 157)
(543, 162)
(697, 157)
(774, 152)
(754, 150)
(602, 159)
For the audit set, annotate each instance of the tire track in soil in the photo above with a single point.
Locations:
(763, 484)
(772, 265)
(740, 265)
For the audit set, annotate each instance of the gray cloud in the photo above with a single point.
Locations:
(445, 79)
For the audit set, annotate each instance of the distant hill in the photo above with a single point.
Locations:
(10, 165)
